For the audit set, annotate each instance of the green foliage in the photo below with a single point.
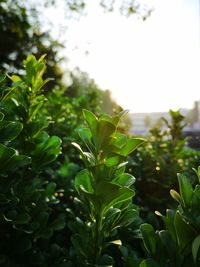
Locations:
(178, 245)
(25, 150)
(48, 218)
(156, 164)
(21, 35)
(104, 187)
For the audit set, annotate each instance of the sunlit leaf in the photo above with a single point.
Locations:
(125, 179)
(131, 145)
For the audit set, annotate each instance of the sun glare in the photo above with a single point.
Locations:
(150, 65)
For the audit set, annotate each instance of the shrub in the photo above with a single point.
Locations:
(178, 244)
(104, 188)
(156, 164)
(26, 194)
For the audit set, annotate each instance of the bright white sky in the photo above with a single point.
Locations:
(148, 66)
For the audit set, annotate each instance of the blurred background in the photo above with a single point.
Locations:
(146, 53)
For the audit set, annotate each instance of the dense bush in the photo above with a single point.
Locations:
(50, 218)
(178, 244)
(164, 154)
(104, 188)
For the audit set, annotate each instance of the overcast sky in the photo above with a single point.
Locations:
(151, 65)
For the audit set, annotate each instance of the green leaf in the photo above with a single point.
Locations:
(105, 261)
(104, 130)
(169, 223)
(176, 196)
(112, 214)
(10, 215)
(77, 243)
(112, 161)
(109, 194)
(19, 161)
(4, 199)
(46, 150)
(119, 140)
(195, 202)
(186, 190)
(117, 117)
(91, 121)
(185, 234)
(149, 238)
(22, 218)
(195, 248)
(50, 189)
(83, 181)
(128, 217)
(86, 137)
(6, 153)
(1, 116)
(131, 145)
(168, 243)
(15, 78)
(59, 223)
(34, 72)
(2, 77)
(125, 179)
(86, 156)
(148, 263)
(9, 130)
(79, 149)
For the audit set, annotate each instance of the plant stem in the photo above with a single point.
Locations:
(97, 237)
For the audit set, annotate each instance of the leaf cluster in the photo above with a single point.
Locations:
(26, 150)
(104, 187)
(178, 244)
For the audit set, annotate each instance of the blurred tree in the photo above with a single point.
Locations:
(99, 101)
(20, 35)
(147, 121)
(158, 161)
(125, 7)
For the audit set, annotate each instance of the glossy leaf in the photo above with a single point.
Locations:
(1, 116)
(125, 179)
(131, 145)
(149, 237)
(9, 130)
(176, 196)
(46, 151)
(83, 181)
(109, 194)
(104, 130)
(129, 217)
(91, 120)
(112, 161)
(18, 161)
(6, 154)
(119, 140)
(195, 248)
(86, 137)
(186, 190)
(185, 233)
